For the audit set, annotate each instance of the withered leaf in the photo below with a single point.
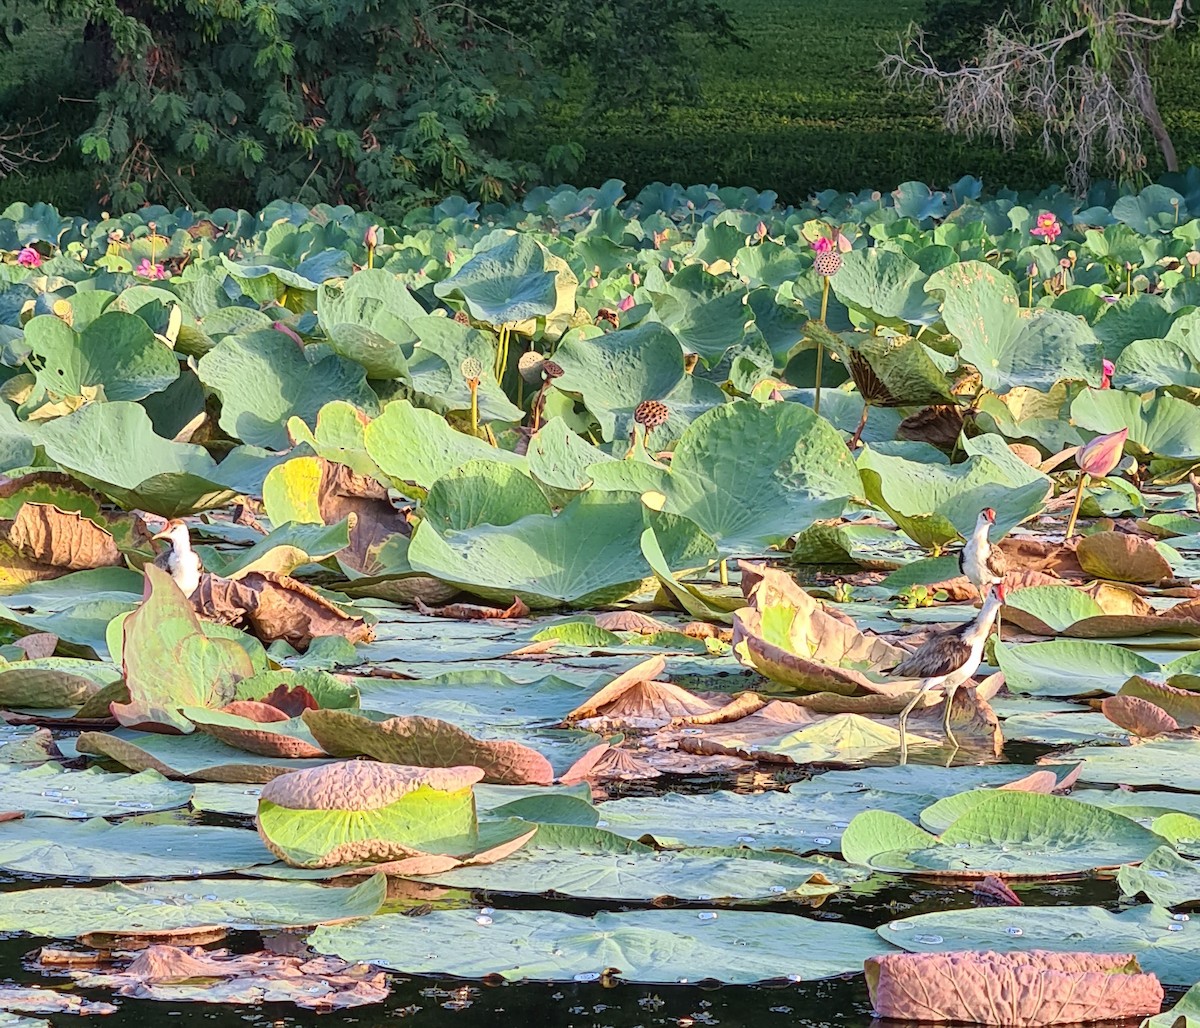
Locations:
(475, 611)
(64, 539)
(1138, 716)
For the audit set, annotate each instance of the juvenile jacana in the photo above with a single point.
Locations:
(179, 560)
(979, 560)
(947, 661)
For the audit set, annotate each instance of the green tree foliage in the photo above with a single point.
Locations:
(380, 103)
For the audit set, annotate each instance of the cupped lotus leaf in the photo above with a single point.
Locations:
(562, 460)
(1008, 344)
(264, 378)
(590, 863)
(97, 849)
(788, 636)
(1006, 832)
(511, 282)
(654, 946)
(1145, 931)
(702, 605)
(1181, 830)
(339, 435)
(1182, 705)
(1164, 426)
(163, 907)
(1122, 558)
(890, 370)
(1053, 668)
(1145, 365)
(885, 286)
(287, 548)
(357, 812)
(50, 790)
(288, 738)
(436, 369)
(1037, 989)
(426, 742)
(1164, 878)
(117, 352)
(327, 690)
(612, 373)
(482, 492)
(706, 315)
(112, 447)
(196, 757)
(82, 629)
(934, 504)
(585, 555)
(416, 446)
(169, 662)
(1151, 763)
(53, 683)
(790, 469)
(1049, 609)
(366, 321)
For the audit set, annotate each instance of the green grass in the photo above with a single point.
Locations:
(805, 109)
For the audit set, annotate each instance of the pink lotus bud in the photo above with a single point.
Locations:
(449, 256)
(635, 279)
(1109, 368)
(28, 257)
(371, 236)
(593, 282)
(625, 304)
(288, 331)
(1102, 454)
(669, 266)
(760, 230)
(822, 245)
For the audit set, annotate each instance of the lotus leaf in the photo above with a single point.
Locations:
(794, 470)
(1149, 763)
(263, 379)
(1161, 425)
(116, 352)
(97, 849)
(1004, 832)
(1053, 668)
(1185, 1013)
(1164, 878)
(51, 791)
(934, 504)
(511, 282)
(164, 907)
(667, 946)
(1008, 344)
(1143, 931)
(53, 682)
(581, 556)
(367, 321)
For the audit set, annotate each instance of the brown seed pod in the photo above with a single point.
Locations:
(471, 368)
(1193, 257)
(828, 263)
(462, 317)
(607, 314)
(551, 370)
(530, 366)
(652, 414)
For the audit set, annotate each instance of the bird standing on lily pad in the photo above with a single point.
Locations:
(179, 560)
(948, 661)
(980, 561)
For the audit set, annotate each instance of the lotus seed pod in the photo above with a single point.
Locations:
(62, 311)
(462, 317)
(651, 413)
(530, 366)
(551, 370)
(1193, 257)
(1064, 263)
(828, 263)
(471, 368)
(607, 314)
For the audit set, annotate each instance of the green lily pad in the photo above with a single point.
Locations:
(656, 946)
(53, 682)
(1153, 762)
(367, 320)
(171, 906)
(112, 447)
(1008, 344)
(1161, 425)
(50, 790)
(791, 469)
(510, 282)
(97, 849)
(118, 353)
(1053, 668)
(1002, 832)
(263, 378)
(1145, 931)
(1184, 1014)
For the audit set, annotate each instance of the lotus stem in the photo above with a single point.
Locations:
(633, 441)
(502, 354)
(1083, 481)
(1128, 279)
(370, 257)
(1030, 304)
(723, 571)
(821, 345)
(473, 385)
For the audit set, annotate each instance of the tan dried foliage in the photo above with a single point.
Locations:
(65, 539)
(475, 612)
(362, 785)
(1138, 716)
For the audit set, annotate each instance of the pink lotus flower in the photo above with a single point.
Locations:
(635, 279)
(148, 270)
(625, 304)
(1099, 457)
(28, 257)
(371, 236)
(593, 282)
(822, 245)
(1109, 368)
(1047, 227)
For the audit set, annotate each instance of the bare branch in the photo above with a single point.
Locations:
(20, 147)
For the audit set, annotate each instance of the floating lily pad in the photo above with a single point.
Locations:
(659, 946)
(1053, 668)
(52, 791)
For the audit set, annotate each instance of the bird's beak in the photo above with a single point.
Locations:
(990, 515)
(164, 534)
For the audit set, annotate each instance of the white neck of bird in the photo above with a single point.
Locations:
(180, 542)
(982, 527)
(986, 616)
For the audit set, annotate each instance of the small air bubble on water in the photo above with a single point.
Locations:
(745, 838)
(587, 976)
(900, 926)
(487, 910)
(1159, 874)
(823, 840)
(1180, 917)
(840, 824)
(707, 915)
(693, 731)
(1174, 928)
(962, 845)
(795, 977)
(210, 896)
(927, 940)
(601, 824)
(483, 919)
(777, 889)
(1014, 931)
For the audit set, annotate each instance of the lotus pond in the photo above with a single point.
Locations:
(556, 562)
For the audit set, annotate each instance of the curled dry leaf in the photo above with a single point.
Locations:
(62, 538)
(1138, 716)
(273, 606)
(194, 975)
(704, 630)
(475, 611)
(1022, 552)
(992, 891)
(1016, 990)
(255, 710)
(1181, 705)
(291, 700)
(341, 492)
(939, 425)
(630, 621)
(48, 1001)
